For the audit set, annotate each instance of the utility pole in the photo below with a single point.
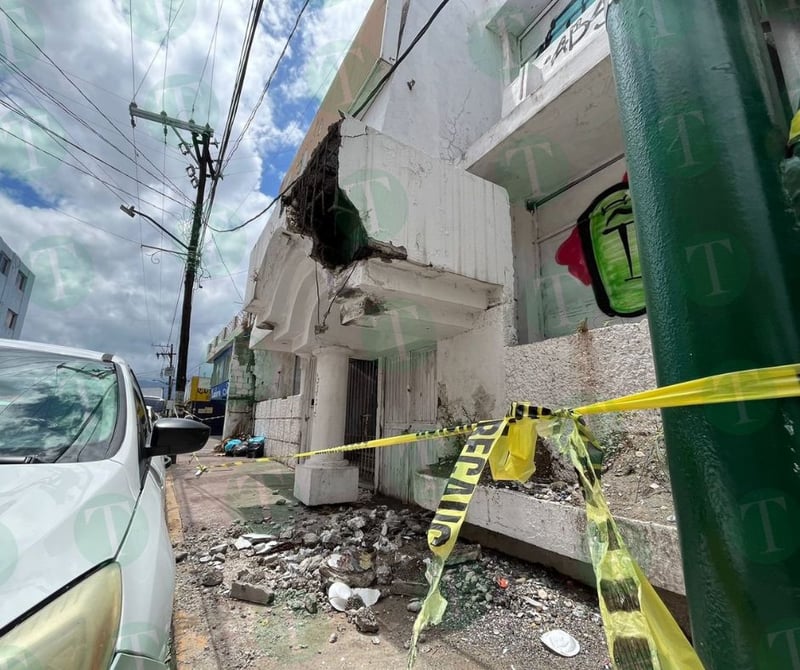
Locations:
(201, 141)
(171, 370)
(719, 250)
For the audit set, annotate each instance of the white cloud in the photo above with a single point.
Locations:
(109, 296)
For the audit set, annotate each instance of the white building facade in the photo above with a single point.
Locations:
(16, 285)
(463, 239)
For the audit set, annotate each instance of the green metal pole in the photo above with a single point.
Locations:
(721, 262)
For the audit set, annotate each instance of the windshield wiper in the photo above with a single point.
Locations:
(19, 460)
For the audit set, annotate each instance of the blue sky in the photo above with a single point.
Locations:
(66, 130)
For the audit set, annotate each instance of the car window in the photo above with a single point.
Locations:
(55, 407)
(142, 417)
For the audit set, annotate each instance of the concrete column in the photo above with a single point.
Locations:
(329, 478)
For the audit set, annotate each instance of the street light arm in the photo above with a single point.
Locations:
(131, 212)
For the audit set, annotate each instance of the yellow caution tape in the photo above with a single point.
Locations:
(640, 631)
(465, 429)
(202, 468)
(450, 515)
(782, 381)
(794, 131)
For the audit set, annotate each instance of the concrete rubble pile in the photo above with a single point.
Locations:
(347, 559)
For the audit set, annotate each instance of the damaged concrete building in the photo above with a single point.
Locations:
(427, 261)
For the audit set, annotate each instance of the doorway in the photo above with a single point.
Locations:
(361, 415)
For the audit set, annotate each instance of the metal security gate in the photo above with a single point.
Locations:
(409, 405)
(361, 415)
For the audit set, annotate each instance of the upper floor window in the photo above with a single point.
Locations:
(22, 281)
(549, 26)
(11, 320)
(5, 263)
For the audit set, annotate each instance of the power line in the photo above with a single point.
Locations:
(42, 89)
(368, 99)
(78, 88)
(268, 82)
(396, 64)
(222, 260)
(257, 216)
(211, 45)
(175, 312)
(115, 190)
(158, 48)
(244, 57)
(21, 112)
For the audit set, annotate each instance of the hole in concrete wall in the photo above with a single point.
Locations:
(318, 208)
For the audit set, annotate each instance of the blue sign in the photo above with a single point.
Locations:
(219, 391)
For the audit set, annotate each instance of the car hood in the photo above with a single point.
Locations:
(57, 521)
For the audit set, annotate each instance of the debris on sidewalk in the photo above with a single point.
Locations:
(251, 593)
(561, 643)
(365, 564)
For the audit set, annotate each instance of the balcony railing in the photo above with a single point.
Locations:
(550, 26)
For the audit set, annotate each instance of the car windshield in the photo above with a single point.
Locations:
(55, 407)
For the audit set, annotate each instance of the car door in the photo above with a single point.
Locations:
(148, 564)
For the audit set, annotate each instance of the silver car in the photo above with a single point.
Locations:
(87, 572)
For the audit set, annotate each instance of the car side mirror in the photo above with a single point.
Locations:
(177, 436)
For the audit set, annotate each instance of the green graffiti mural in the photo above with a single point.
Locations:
(602, 252)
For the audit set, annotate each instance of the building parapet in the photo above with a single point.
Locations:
(238, 325)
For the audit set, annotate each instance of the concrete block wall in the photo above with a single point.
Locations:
(574, 370)
(470, 371)
(239, 407)
(280, 421)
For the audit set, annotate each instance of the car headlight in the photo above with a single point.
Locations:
(77, 631)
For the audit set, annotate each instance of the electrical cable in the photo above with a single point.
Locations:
(267, 84)
(211, 44)
(368, 99)
(78, 88)
(114, 188)
(30, 119)
(257, 216)
(49, 95)
(396, 64)
(222, 260)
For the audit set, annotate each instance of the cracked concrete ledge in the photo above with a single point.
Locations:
(554, 534)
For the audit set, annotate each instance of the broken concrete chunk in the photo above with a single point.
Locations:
(251, 593)
(310, 540)
(311, 604)
(280, 501)
(258, 538)
(218, 549)
(384, 575)
(180, 556)
(365, 621)
(287, 534)
(356, 523)
(211, 578)
(272, 547)
(464, 553)
(242, 543)
(414, 606)
(205, 559)
(401, 587)
(220, 558)
(330, 538)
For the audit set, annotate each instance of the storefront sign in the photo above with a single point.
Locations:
(219, 391)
